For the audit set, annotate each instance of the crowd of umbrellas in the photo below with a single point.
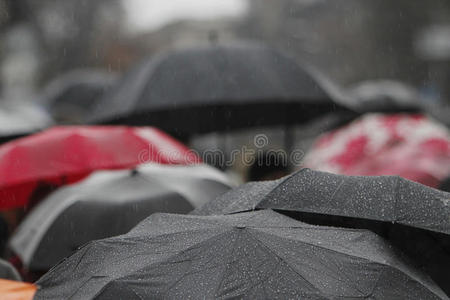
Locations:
(109, 202)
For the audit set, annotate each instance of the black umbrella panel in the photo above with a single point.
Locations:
(216, 88)
(71, 96)
(414, 217)
(110, 203)
(257, 255)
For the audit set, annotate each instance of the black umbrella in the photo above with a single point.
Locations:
(216, 88)
(109, 203)
(71, 96)
(257, 255)
(412, 216)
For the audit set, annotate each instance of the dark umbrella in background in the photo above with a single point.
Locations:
(257, 255)
(18, 119)
(110, 203)
(414, 217)
(385, 96)
(7, 271)
(70, 97)
(216, 88)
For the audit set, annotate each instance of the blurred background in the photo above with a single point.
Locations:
(361, 40)
(46, 44)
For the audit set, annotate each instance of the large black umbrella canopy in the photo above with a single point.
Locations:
(110, 203)
(256, 255)
(414, 217)
(216, 88)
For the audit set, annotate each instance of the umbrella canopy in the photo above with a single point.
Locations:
(385, 96)
(258, 255)
(7, 271)
(110, 203)
(409, 145)
(18, 119)
(66, 154)
(15, 290)
(216, 88)
(412, 216)
(70, 96)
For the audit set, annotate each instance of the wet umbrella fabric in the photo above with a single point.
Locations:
(216, 88)
(110, 203)
(412, 216)
(409, 145)
(257, 255)
(66, 154)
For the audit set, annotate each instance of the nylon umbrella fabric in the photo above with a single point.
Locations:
(409, 145)
(258, 255)
(110, 203)
(66, 154)
(216, 88)
(70, 96)
(414, 217)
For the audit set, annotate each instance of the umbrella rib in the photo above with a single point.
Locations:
(226, 267)
(286, 179)
(287, 264)
(386, 263)
(398, 268)
(172, 256)
(397, 188)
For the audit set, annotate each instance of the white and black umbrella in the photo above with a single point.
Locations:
(109, 203)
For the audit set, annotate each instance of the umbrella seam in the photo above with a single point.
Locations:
(286, 179)
(386, 263)
(233, 248)
(284, 260)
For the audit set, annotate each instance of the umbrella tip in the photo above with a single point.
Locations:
(134, 172)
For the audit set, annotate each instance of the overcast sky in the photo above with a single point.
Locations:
(146, 15)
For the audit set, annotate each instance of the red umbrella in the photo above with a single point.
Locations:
(408, 145)
(66, 154)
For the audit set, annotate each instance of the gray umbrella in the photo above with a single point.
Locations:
(414, 217)
(257, 255)
(109, 203)
(7, 271)
(216, 88)
(70, 96)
